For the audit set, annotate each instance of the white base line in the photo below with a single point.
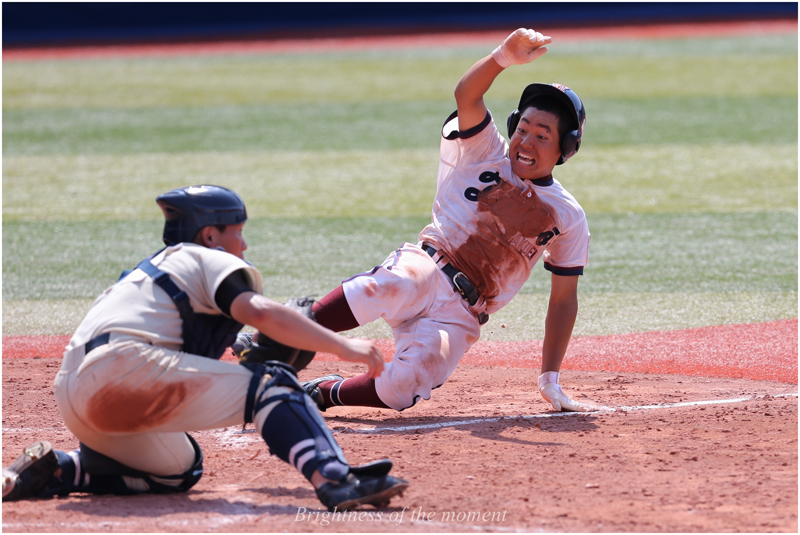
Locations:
(474, 421)
(371, 430)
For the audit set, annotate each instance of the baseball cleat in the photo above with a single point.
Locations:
(312, 388)
(29, 474)
(358, 490)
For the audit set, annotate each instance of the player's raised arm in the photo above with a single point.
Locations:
(522, 46)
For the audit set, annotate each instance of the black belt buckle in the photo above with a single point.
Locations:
(462, 284)
(465, 288)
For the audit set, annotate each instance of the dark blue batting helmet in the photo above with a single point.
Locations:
(189, 209)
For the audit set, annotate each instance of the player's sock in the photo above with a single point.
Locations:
(333, 312)
(356, 391)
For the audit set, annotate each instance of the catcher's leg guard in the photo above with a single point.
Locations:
(291, 425)
(86, 470)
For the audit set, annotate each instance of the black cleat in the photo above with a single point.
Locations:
(361, 488)
(312, 388)
(29, 474)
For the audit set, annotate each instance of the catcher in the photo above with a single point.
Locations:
(142, 369)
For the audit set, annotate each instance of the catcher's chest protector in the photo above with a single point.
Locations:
(207, 335)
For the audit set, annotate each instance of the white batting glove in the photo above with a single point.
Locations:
(522, 46)
(551, 391)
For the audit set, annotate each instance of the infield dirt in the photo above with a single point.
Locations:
(519, 466)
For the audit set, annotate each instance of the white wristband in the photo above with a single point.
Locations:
(501, 58)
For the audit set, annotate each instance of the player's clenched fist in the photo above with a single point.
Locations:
(522, 46)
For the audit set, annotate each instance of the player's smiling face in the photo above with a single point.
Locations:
(534, 148)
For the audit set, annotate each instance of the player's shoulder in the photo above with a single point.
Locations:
(184, 253)
(557, 191)
(568, 210)
(451, 129)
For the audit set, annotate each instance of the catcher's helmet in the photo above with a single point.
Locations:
(571, 140)
(189, 209)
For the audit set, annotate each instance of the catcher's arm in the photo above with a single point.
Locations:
(293, 329)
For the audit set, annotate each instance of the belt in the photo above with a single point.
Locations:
(96, 342)
(461, 283)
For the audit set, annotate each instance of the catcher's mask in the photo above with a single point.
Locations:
(189, 209)
(571, 140)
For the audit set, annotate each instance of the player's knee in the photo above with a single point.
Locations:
(406, 382)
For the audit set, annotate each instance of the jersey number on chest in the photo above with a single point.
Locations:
(487, 177)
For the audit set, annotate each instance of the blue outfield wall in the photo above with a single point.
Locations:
(56, 23)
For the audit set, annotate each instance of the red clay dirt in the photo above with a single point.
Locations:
(759, 351)
(711, 450)
(484, 454)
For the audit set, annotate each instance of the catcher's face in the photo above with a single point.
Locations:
(534, 147)
(231, 239)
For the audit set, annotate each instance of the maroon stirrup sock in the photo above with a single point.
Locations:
(333, 312)
(356, 391)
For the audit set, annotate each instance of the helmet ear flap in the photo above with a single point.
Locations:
(569, 145)
(512, 122)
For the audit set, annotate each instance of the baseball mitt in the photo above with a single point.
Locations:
(260, 348)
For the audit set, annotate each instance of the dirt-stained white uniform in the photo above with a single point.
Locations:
(492, 226)
(134, 398)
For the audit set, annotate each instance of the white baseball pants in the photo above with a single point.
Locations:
(133, 402)
(431, 323)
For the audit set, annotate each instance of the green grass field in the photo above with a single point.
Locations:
(688, 172)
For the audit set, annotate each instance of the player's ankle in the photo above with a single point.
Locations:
(324, 397)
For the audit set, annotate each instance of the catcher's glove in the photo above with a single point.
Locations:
(260, 348)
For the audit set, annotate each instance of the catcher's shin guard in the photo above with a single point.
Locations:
(291, 425)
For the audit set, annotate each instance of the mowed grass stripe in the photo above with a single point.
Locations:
(522, 319)
(363, 183)
(372, 125)
(630, 253)
(700, 67)
(688, 173)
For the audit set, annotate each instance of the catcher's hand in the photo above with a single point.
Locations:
(522, 46)
(260, 348)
